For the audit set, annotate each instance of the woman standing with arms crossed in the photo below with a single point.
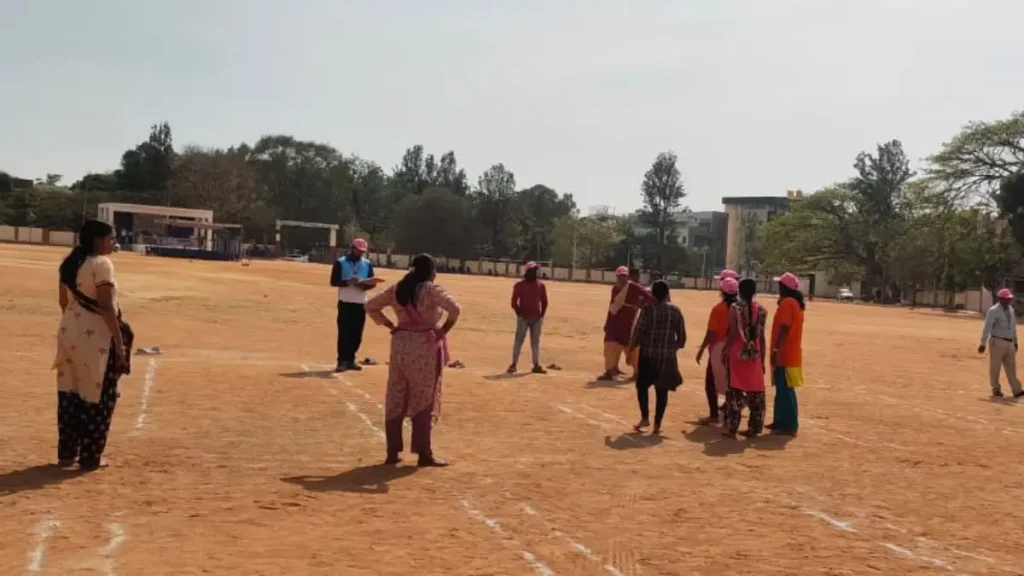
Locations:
(92, 351)
(787, 354)
(419, 352)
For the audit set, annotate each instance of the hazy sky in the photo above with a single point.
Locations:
(756, 96)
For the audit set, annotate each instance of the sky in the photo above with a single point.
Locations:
(755, 96)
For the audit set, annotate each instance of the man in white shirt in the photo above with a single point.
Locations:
(349, 275)
(1000, 335)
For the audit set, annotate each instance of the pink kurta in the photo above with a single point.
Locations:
(747, 374)
(417, 349)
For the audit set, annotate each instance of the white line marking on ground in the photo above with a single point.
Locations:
(581, 548)
(44, 529)
(607, 415)
(117, 537)
(835, 522)
(146, 389)
(530, 558)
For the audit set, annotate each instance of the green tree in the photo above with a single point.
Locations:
(437, 221)
(494, 202)
(538, 208)
(1010, 202)
(662, 192)
(146, 169)
(971, 166)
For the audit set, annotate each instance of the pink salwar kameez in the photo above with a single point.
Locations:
(419, 352)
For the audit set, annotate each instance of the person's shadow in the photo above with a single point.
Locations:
(35, 478)
(598, 384)
(372, 479)
(716, 445)
(632, 441)
(308, 374)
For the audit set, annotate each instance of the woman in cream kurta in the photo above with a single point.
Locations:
(83, 341)
(90, 348)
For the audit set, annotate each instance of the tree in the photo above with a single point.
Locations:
(1010, 202)
(437, 221)
(662, 192)
(971, 166)
(147, 168)
(538, 208)
(494, 201)
(879, 199)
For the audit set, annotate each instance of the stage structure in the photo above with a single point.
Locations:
(332, 245)
(133, 222)
(226, 240)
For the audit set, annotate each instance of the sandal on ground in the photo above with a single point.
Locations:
(538, 369)
(393, 460)
(750, 434)
(641, 425)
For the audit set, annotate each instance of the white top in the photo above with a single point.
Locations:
(352, 295)
(1000, 323)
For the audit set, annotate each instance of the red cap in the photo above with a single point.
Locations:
(360, 244)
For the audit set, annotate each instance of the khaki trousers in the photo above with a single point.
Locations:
(1002, 356)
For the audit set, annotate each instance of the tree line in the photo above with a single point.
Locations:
(424, 203)
(958, 224)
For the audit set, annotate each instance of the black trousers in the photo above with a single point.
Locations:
(82, 427)
(660, 403)
(711, 392)
(351, 321)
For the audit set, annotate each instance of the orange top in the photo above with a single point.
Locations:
(789, 313)
(718, 322)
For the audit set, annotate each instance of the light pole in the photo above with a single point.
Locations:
(704, 260)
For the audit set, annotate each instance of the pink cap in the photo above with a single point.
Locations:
(727, 273)
(622, 271)
(730, 285)
(1004, 294)
(360, 244)
(789, 280)
(531, 265)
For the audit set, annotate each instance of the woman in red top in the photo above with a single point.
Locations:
(745, 356)
(627, 298)
(715, 382)
(530, 303)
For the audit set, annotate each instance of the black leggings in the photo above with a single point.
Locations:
(711, 393)
(661, 402)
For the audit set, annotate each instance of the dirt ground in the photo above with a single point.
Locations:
(236, 452)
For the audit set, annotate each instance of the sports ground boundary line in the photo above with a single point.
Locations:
(530, 558)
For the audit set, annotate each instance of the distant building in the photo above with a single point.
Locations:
(703, 234)
(746, 213)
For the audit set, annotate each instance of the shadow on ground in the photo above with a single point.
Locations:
(374, 479)
(35, 478)
(717, 445)
(632, 441)
(308, 374)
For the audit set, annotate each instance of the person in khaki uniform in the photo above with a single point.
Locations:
(1000, 336)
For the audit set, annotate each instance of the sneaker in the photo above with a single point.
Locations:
(997, 393)
(353, 366)
(1019, 394)
(511, 369)
(341, 367)
(538, 369)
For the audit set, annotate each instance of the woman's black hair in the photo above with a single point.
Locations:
(531, 274)
(748, 287)
(659, 290)
(90, 232)
(422, 271)
(787, 292)
(729, 299)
